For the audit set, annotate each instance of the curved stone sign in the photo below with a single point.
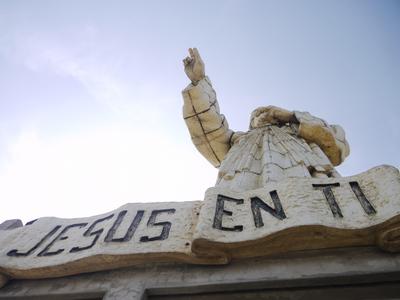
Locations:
(290, 215)
(299, 214)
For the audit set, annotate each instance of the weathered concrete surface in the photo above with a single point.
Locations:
(133, 234)
(213, 232)
(298, 269)
(300, 216)
(11, 224)
(3, 280)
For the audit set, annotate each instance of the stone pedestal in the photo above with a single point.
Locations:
(347, 273)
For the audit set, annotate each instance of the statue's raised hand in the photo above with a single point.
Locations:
(194, 66)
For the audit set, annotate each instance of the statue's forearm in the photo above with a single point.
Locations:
(208, 128)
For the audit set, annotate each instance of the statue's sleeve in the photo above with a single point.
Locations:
(208, 128)
(330, 138)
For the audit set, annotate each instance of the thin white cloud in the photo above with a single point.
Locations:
(81, 60)
(93, 74)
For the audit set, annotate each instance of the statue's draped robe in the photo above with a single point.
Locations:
(269, 153)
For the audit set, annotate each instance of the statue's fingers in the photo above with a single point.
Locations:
(196, 54)
(187, 60)
(191, 52)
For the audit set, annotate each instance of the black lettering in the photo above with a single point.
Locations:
(15, 252)
(89, 232)
(257, 203)
(166, 225)
(220, 212)
(366, 205)
(330, 197)
(131, 230)
(60, 236)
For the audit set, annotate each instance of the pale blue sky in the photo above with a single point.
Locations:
(90, 103)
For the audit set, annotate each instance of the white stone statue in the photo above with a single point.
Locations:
(278, 145)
